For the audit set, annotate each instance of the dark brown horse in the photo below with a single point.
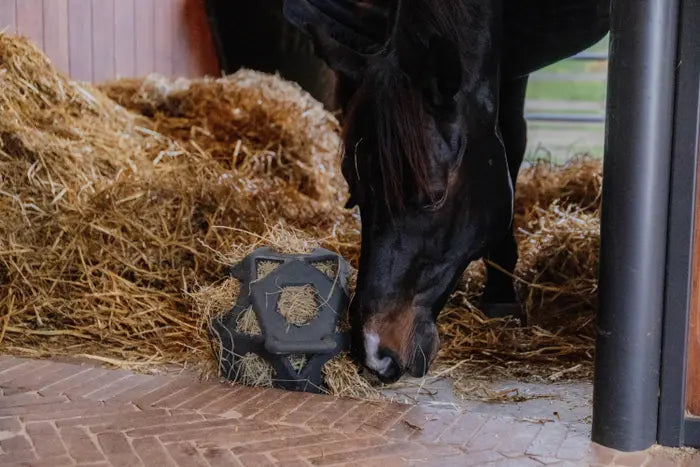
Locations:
(433, 96)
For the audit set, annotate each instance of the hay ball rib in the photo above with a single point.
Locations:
(286, 323)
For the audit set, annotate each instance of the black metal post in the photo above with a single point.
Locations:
(634, 221)
(681, 223)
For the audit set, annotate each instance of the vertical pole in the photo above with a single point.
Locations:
(682, 235)
(634, 221)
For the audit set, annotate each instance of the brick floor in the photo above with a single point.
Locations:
(54, 414)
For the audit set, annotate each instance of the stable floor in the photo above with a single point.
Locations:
(55, 413)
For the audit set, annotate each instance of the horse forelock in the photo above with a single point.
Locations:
(398, 162)
(400, 143)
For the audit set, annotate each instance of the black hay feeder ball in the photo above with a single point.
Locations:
(263, 276)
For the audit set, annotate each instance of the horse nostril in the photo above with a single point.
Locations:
(392, 371)
(383, 361)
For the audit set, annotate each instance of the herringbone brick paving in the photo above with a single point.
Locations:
(55, 414)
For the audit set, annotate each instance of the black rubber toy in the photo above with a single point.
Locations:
(319, 340)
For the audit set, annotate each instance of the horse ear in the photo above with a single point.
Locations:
(337, 56)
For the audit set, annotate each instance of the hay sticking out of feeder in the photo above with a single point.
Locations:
(343, 379)
(298, 361)
(329, 268)
(253, 370)
(298, 304)
(266, 267)
(247, 323)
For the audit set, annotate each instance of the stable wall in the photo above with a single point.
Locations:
(95, 40)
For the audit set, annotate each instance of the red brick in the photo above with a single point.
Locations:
(217, 433)
(288, 443)
(575, 447)
(80, 445)
(383, 417)
(631, 459)
(32, 379)
(56, 386)
(327, 448)
(282, 407)
(71, 410)
(383, 462)
(218, 457)
(171, 387)
(398, 450)
(224, 404)
(263, 400)
(7, 362)
(520, 462)
(304, 412)
(148, 419)
(518, 438)
(258, 460)
(489, 436)
(333, 413)
(152, 452)
(122, 385)
(10, 424)
(117, 449)
(548, 440)
(20, 399)
(45, 438)
(148, 386)
(246, 394)
(182, 427)
(430, 424)
(106, 422)
(25, 369)
(206, 398)
(230, 439)
(79, 380)
(188, 392)
(93, 387)
(50, 462)
(187, 455)
(16, 444)
(474, 458)
(464, 428)
(40, 406)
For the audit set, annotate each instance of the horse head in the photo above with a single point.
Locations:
(423, 159)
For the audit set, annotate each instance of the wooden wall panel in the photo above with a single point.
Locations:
(164, 34)
(124, 38)
(30, 20)
(96, 40)
(103, 34)
(80, 37)
(693, 368)
(145, 37)
(8, 15)
(56, 33)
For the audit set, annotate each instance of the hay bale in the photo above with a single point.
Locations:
(112, 218)
(114, 215)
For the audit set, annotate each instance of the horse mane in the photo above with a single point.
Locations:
(390, 99)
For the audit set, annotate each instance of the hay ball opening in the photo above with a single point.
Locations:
(289, 311)
(299, 305)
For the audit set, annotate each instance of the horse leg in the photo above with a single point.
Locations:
(499, 298)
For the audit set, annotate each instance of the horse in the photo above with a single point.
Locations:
(432, 94)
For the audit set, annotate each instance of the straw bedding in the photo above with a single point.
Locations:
(123, 207)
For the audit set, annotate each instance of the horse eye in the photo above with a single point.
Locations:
(436, 201)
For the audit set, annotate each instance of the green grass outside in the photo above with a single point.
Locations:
(567, 90)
